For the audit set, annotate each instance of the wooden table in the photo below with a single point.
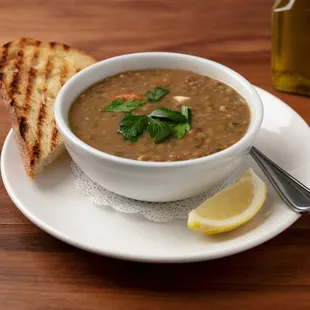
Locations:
(40, 272)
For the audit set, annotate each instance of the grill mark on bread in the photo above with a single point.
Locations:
(5, 50)
(14, 87)
(22, 127)
(42, 112)
(16, 76)
(64, 76)
(55, 134)
(55, 137)
(36, 42)
(31, 76)
(35, 153)
(32, 73)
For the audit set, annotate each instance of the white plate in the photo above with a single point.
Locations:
(52, 203)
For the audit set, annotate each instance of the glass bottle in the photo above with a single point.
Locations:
(291, 46)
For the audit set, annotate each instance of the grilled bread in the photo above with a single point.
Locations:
(31, 75)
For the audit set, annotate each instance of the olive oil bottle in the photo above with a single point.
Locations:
(291, 46)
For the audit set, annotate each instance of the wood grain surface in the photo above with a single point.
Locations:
(39, 272)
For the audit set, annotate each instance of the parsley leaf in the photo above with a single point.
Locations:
(187, 112)
(132, 104)
(112, 105)
(181, 128)
(160, 124)
(158, 130)
(168, 114)
(119, 105)
(132, 126)
(157, 94)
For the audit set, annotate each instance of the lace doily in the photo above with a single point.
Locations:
(153, 211)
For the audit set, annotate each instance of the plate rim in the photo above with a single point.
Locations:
(148, 258)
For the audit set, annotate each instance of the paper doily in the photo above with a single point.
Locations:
(153, 211)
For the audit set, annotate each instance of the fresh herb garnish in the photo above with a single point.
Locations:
(157, 94)
(115, 103)
(181, 128)
(123, 105)
(187, 112)
(120, 105)
(158, 130)
(165, 113)
(160, 124)
(132, 126)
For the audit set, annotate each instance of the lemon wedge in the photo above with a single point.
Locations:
(231, 207)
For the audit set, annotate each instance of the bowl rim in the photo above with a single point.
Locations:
(232, 150)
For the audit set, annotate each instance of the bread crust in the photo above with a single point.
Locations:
(15, 125)
(30, 105)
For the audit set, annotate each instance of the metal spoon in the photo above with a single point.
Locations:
(295, 194)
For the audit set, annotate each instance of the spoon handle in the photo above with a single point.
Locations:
(295, 194)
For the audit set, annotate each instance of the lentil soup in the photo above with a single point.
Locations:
(101, 115)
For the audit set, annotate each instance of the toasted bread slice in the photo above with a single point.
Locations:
(31, 75)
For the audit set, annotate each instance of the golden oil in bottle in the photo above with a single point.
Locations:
(291, 46)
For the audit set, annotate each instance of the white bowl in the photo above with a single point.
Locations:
(156, 181)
